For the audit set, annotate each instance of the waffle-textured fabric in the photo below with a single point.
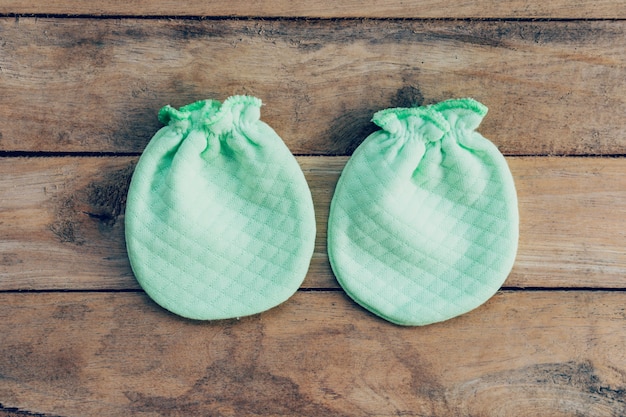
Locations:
(423, 225)
(219, 217)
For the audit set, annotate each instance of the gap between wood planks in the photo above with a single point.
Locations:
(31, 154)
(325, 8)
(271, 18)
(504, 289)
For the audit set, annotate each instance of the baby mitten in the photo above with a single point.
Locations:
(219, 217)
(423, 224)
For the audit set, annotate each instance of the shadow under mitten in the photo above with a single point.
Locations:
(219, 217)
(423, 224)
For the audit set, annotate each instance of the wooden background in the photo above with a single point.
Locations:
(80, 85)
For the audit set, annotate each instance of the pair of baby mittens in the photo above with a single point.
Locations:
(220, 224)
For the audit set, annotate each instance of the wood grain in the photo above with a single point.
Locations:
(61, 222)
(584, 9)
(546, 353)
(77, 336)
(95, 85)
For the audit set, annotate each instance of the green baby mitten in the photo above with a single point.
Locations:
(219, 217)
(423, 225)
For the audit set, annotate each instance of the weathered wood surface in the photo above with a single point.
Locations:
(61, 222)
(90, 85)
(584, 9)
(523, 353)
(95, 85)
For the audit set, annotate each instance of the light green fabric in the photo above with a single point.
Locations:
(423, 225)
(219, 217)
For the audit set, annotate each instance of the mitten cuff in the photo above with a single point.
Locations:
(236, 110)
(464, 113)
(212, 114)
(420, 122)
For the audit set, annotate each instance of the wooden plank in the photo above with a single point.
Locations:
(61, 222)
(522, 353)
(585, 9)
(95, 85)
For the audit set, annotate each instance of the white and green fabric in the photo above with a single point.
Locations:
(423, 225)
(219, 217)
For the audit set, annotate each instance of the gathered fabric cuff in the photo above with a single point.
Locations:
(212, 114)
(420, 122)
(464, 113)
